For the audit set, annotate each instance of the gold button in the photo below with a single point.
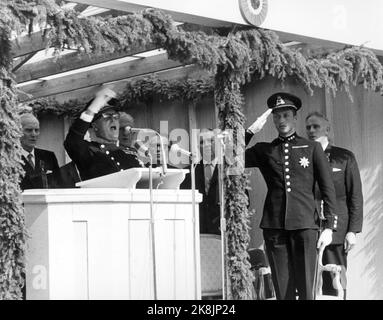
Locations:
(287, 169)
(286, 144)
(107, 152)
(288, 189)
(286, 157)
(286, 163)
(286, 150)
(288, 183)
(287, 177)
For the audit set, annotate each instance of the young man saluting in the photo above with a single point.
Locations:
(291, 166)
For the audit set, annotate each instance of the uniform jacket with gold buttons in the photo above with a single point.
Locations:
(291, 167)
(348, 190)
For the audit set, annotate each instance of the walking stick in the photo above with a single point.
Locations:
(318, 259)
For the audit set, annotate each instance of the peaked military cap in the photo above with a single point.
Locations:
(281, 100)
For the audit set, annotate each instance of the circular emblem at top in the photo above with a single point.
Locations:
(253, 11)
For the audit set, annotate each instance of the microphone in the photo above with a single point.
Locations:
(130, 129)
(141, 147)
(222, 134)
(164, 160)
(176, 148)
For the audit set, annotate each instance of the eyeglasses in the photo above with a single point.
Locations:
(110, 116)
(315, 126)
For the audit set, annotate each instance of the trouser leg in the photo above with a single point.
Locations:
(277, 245)
(333, 254)
(304, 253)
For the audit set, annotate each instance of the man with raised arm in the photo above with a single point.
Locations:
(291, 167)
(101, 156)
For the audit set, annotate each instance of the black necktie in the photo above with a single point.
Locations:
(208, 176)
(30, 161)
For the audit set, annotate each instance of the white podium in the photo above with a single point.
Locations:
(95, 243)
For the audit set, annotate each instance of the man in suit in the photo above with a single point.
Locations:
(206, 182)
(102, 155)
(348, 189)
(40, 166)
(291, 167)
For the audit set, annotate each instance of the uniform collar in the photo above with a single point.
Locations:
(107, 146)
(289, 138)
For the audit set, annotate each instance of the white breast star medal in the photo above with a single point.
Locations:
(304, 162)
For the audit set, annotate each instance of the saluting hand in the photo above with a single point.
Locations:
(260, 122)
(325, 239)
(101, 98)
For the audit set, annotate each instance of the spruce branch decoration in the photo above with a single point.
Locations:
(136, 91)
(12, 227)
(234, 60)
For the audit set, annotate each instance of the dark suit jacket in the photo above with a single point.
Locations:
(209, 209)
(69, 175)
(290, 200)
(91, 160)
(33, 178)
(348, 189)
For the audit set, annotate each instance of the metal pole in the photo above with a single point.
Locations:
(222, 220)
(192, 175)
(152, 227)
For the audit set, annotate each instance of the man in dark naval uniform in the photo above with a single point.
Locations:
(40, 166)
(291, 167)
(348, 189)
(101, 156)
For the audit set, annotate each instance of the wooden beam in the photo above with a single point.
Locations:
(71, 61)
(98, 76)
(28, 44)
(85, 94)
(178, 15)
(21, 61)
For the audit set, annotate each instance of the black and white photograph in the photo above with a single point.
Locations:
(198, 152)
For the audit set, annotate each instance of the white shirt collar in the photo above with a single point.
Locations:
(212, 163)
(323, 141)
(25, 153)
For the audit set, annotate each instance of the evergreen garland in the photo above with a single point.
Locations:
(234, 60)
(136, 91)
(229, 101)
(12, 227)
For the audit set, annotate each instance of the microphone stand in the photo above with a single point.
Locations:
(223, 219)
(192, 176)
(164, 160)
(152, 226)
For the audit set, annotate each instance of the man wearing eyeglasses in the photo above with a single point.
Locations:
(102, 155)
(348, 189)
